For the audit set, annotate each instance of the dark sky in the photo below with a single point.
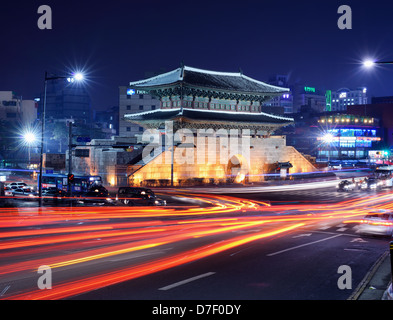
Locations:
(118, 41)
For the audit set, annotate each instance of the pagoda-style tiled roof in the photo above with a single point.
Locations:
(207, 117)
(212, 80)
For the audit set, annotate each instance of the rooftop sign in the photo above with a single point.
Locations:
(309, 89)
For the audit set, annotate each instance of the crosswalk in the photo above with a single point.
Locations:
(341, 227)
(325, 193)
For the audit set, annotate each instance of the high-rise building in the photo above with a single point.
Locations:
(66, 100)
(346, 97)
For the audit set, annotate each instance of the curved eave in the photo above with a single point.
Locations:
(215, 91)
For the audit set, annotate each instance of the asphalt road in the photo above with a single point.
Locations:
(230, 248)
(301, 265)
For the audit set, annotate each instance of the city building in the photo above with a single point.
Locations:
(348, 136)
(201, 113)
(16, 117)
(16, 110)
(345, 97)
(282, 104)
(108, 121)
(381, 111)
(108, 158)
(133, 101)
(308, 97)
(66, 100)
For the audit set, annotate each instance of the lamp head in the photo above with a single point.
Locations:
(368, 63)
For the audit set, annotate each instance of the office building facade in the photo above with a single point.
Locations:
(133, 101)
(345, 97)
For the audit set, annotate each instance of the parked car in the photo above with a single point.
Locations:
(135, 196)
(17, 185)
(377, 223)
(25, 193)
(8, 192)
(346, 185)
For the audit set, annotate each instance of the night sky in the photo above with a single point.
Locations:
(116, 42)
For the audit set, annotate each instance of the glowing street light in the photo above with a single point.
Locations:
(29, 137)
(78, 76)
(328, 138)
(369, 63)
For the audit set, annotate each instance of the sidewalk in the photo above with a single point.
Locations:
(375, 284)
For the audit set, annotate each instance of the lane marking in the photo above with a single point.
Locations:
(176, 284)
(302, 235)
(303, 245)
(324, 227)
(4, 290)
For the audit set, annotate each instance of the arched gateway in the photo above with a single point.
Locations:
(229, 136)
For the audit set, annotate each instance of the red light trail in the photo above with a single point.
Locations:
(69, 238)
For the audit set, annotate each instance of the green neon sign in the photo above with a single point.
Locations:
(309, 89)
(328, 100)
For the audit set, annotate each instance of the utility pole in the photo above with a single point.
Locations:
(70, 124)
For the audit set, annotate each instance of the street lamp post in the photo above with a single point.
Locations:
(70, 78)
(371, 63)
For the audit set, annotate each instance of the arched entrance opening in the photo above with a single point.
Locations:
(237, 169)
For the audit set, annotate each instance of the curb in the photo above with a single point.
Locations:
(370, 274)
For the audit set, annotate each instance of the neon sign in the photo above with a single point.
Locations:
(309, 89)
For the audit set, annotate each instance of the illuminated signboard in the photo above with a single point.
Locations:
(343, 95)
(309, 89)
(131, 92)
(328, 100)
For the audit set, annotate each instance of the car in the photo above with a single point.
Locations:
(99, 196)
(53, 195)
(346, 185)
(16, 185)
(25, 193)
(379, 222)
(372, 184)
(136, 196)
(8, 192)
